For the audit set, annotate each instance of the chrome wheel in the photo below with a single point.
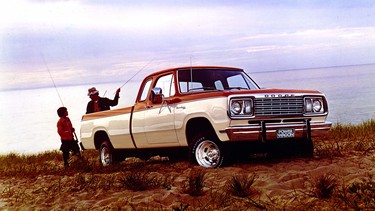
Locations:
(207, 154)
(105, 154)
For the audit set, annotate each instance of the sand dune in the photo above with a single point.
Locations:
(279, 184)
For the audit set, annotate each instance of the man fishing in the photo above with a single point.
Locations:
(100, 103)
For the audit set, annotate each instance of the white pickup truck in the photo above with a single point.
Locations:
(210, 114)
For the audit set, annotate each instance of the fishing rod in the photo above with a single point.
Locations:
(53, 81)
(140, 70)
(62, 103)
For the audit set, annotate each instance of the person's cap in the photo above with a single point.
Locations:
(92, 91)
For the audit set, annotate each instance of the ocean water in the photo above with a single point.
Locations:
(350, 90)
(28, 118)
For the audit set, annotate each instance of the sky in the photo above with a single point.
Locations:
(99, 41)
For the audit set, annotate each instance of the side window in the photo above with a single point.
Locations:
(146, 87)
(173, 91)
(166, 83)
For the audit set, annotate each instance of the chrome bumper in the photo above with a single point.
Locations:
(264, 131)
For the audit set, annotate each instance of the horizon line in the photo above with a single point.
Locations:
(265, 71)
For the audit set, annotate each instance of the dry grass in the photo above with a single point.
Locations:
(239, 192)
(141, 181)
(195, 184)
(241, 185)
(324, 186)
(344, 138)
(359, 195)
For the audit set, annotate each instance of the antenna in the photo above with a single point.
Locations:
(191, 71)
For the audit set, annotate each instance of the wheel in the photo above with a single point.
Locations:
(106, 154)
(207, 153)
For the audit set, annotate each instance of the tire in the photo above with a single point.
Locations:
(106, 153)
(208, 153)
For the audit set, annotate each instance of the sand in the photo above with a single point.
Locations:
(279, 184)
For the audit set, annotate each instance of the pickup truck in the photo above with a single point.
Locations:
(208, 113)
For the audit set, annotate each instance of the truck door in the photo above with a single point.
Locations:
(138, 119)
(159, 117)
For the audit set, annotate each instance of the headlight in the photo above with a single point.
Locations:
(241, 107)
(308, 105)
(247, 107)
(317, 105)
(314, 105)
(236, 107)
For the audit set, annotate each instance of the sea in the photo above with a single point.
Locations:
(28, 117)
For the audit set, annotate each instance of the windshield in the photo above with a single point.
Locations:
(198, 80)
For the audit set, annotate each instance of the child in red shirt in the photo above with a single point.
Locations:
(66, 130)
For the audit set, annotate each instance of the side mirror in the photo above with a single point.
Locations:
(156, 95)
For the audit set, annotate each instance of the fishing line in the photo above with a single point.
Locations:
(62, 103)
(53, 81)
(137, 72)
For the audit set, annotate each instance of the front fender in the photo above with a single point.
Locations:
(212, 109)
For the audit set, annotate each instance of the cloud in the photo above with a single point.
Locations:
(334, 32)
(311, 39)
(85, 15)
(105, 40)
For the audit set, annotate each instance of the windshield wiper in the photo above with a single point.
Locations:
(204, 88)
(236, 87)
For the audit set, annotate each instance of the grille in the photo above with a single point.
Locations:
(278, 106)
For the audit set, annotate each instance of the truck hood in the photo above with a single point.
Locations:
(258, 92)
(275, 91)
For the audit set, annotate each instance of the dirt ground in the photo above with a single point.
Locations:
(287, 184)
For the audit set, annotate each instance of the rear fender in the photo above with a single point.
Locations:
(100, 137)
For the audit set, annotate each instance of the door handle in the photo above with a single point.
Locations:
(180, 107)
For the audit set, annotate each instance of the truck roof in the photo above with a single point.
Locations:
(193, 67)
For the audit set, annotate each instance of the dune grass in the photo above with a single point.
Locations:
(344, 138)
(241, 185)
(240, 190)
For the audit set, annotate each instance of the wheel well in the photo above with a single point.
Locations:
(99, 137)
(199, 126)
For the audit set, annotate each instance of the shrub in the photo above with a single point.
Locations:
(181, 207)
(360, 194)
(139, 181)
(324, 186)
(241, 185)
(196, 183)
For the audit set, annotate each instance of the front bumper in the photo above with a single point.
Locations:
(266, 131)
